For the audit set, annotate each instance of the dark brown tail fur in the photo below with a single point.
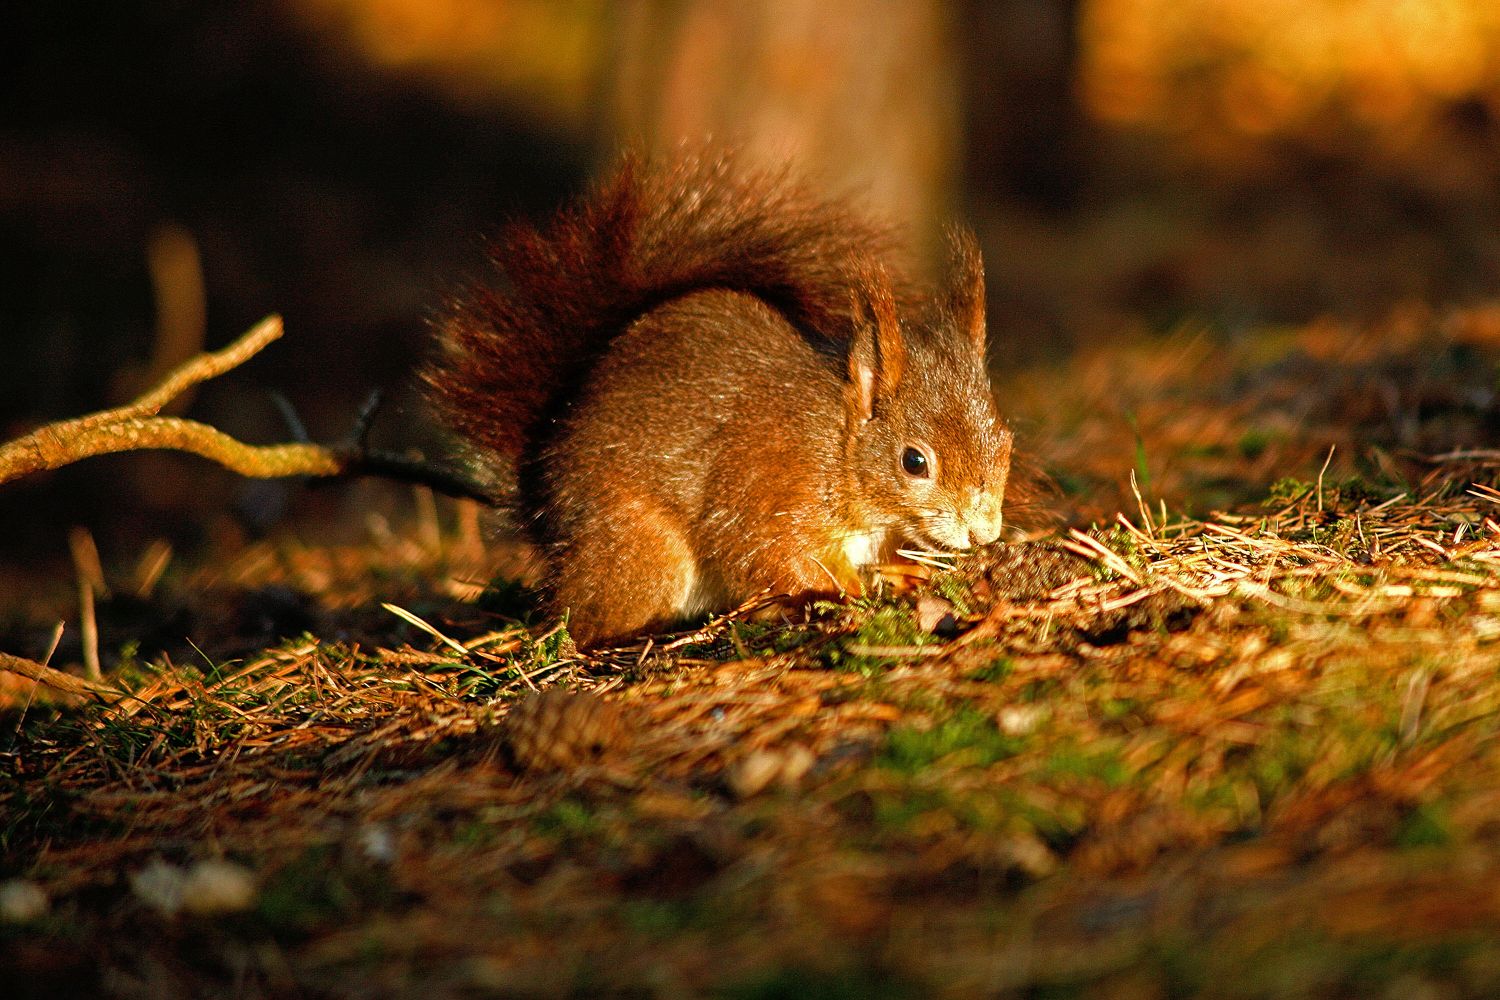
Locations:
(512, 355)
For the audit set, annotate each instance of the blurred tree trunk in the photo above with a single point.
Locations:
(861, 95)
(1024, 126)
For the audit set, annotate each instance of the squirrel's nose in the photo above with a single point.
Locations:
(985, 522)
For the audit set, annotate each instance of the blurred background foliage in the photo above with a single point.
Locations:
(170, 171)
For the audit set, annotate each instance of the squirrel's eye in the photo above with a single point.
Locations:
(914, 463)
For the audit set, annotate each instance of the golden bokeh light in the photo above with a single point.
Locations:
(1222, 79)
(1259, 67)
(542, 53)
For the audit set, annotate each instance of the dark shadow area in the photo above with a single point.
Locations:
(350, 202)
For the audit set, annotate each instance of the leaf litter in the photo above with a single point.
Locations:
(1229, 731)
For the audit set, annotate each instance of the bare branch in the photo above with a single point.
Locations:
(198, 369)
(64, 443)
(136, 427)
(404, 469)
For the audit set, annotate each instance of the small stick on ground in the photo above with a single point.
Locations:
(137, 426)
(56, 679)
(90, 584)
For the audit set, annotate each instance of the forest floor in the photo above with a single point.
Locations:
(1223, 724)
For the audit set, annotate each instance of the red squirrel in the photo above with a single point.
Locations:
(707, 384)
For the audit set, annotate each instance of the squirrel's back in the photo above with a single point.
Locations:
(512, 352)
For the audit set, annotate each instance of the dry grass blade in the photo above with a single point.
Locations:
(431, 630)
(1091, 548)
(932, 559)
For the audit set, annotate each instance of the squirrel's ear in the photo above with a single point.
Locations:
(877, 354)
(966, 288)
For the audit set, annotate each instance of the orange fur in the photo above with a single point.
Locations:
(706, 382)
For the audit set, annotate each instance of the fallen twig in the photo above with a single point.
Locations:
(57, 679)
(136, 426)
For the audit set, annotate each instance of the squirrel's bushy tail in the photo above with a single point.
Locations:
(509, 355)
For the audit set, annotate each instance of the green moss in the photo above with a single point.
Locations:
(911, 748)
(993, 672)
(1427, 825)
(1372, 488)
(953, 588)
(1254, 442)
(1287, 490)
(1118, 709)
(1098, 762)
(1038, 690)
(879, 624)
(658, 918)
(552, 647)
(891, 625)
(319, 890)
(899, 809)
(474, 833)
(568, 819)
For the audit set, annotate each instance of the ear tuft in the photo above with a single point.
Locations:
(877, 351)
(862, 375)
(966, 301)
(890, 347)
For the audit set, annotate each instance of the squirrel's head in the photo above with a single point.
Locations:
(926, 446)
